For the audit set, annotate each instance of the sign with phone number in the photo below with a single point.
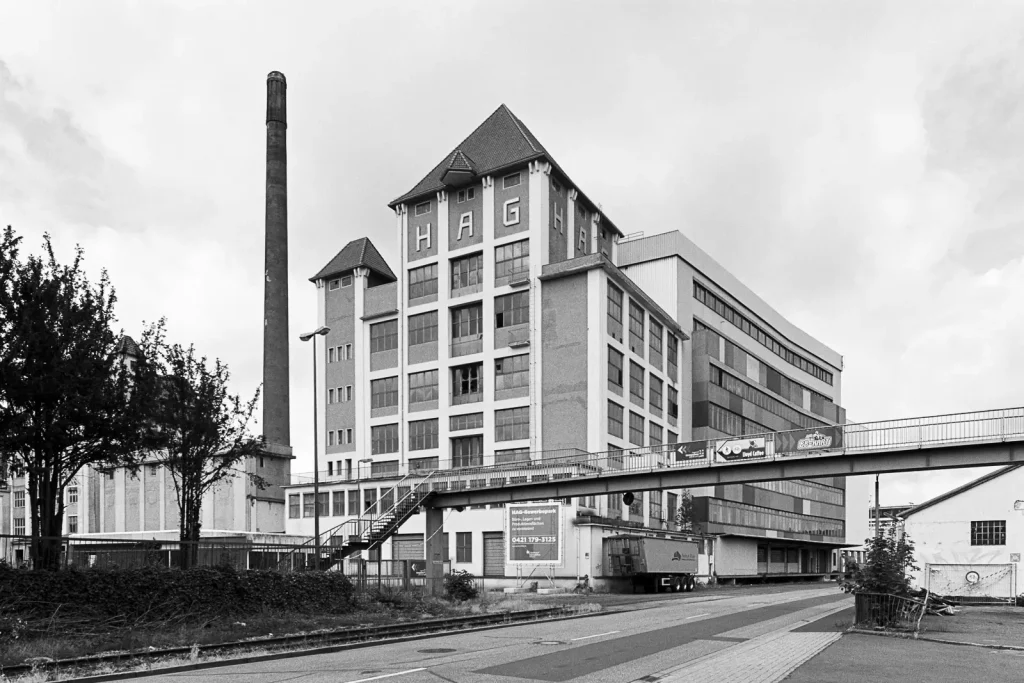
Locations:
(534, 533)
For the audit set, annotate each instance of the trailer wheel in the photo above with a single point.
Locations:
(691, 583)
(677, 584)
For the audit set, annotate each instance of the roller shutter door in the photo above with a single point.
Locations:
(407, 547)
(494, 553)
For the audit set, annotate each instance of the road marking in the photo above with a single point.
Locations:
(398, 673)
(597, 635)
(699, 615)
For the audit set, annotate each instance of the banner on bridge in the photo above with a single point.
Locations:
(808, 440)
(733, 450)
(534, 533)
(691, 451)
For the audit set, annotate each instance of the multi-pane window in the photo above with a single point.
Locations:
(731, 423)
(512, 309)
(384, 392)
(463, 546)
(307, 504)
(510, 259)
(423, 282)
(615, 419)
(466, 322)
(636, 508)
(321, 504)
(988, 533)
(293, 506)
(465, 195)
(19, 499)
(384, 439)
(636, 382)
(614, 369)
(19, 526)
(508, 455)
(512, 424)
(460, 423)
(468, 451)
(671, 506)
(423, 328)
(353, 503)
(72, 495)
(656, 393)
(510, 180)
(423, 435)
(636, 429)
(673, 402)
(636, 328)
(656, 343)
(384, 336)
(384, 469)
(672, 437)
(423, 464)
(656, 509)
(467, 383)
(467, 271)
(422, 386)
(614, 311)
(512, 372)
(422, 208)
(673, 357)
(338, 504)
(615, 503)
(657, 437)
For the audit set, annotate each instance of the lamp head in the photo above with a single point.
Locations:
(318, 331)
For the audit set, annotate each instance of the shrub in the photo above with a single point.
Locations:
(885, 567)
(150, 594)
(460, 586)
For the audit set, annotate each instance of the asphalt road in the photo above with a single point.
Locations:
(617, 647)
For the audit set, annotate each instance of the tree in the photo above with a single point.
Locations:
(205, 432)
(68, 397)
(684, 513)
(888, 559)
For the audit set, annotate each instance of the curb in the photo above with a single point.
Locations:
(288, 654)
(911, 636)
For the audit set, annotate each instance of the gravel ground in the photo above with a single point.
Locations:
(1001, 625)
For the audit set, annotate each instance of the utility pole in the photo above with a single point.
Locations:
(878, 515)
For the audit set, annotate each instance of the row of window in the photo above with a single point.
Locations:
(747, 365)
(655, 397)
(510, 424)
(343, 281)
(340, 437)
(616, 425)
(733, 424)
(339, 353)
(734, 386)
(657, 353)
(467, 383)
(740, 321)
(340, 395)
(741, 514)
(466, 323)
(509, 181)
(467, 272)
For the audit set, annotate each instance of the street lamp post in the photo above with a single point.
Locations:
(318, 332)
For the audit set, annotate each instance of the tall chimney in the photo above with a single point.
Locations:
(276, 408)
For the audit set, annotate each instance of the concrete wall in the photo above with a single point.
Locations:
(565, 371)
(735, 556)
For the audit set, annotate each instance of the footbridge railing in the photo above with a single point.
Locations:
(956, 429)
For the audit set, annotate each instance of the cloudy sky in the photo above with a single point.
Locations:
(858, 164)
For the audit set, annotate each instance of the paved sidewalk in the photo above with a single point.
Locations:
(766, 658)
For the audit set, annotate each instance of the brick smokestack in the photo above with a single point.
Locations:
(276, 404)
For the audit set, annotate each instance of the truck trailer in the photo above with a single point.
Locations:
(656, 564)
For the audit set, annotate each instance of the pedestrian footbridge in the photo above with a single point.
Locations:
(994, 437)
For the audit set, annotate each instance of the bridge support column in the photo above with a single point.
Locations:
(433, 542)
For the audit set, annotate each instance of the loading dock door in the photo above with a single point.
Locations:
(494, 553)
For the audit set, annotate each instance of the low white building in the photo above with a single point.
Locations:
(968, 541)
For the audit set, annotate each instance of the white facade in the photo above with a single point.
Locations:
(948, 531)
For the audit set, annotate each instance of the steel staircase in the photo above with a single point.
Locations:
(375, 525)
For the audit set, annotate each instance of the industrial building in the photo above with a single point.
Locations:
(520, 325)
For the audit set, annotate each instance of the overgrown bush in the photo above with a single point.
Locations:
(888, 559)
(149, 594)
(460, 586)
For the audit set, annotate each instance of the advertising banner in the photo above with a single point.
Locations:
(733, 450)
(691, 451)
(534, 533)
(808, 440)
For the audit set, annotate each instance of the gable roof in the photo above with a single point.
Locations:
(960, 489)
(357, 253)
(502, 141)
(127, 346)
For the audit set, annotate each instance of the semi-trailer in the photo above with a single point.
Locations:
(656, 564)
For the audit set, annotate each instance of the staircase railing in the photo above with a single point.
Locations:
(371, 521)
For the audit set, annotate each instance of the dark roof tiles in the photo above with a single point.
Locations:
(357, 253)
